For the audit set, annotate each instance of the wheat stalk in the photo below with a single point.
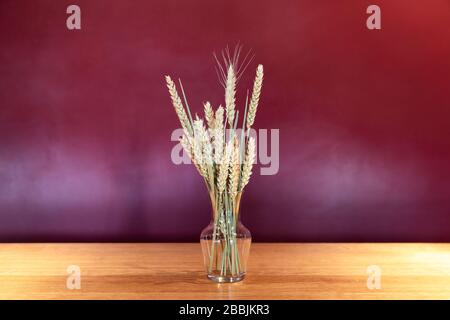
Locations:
(257, 85)
(178, 105)
(230, 92)
(248, 163)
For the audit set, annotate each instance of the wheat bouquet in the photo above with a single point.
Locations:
(223, 154)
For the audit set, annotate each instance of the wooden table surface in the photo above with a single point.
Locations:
(175, 271)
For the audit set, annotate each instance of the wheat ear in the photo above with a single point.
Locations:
(218, 135)
(230, 91)
(207, 148)
(187, 145)
(198, 147)
(209, 115)
(178, 105)
(208, 157)
(257, 85)
(248, 163)
(234, 170)
(223, 168)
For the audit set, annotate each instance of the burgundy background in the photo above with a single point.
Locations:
(85, 119)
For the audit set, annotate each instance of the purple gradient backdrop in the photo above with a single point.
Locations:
(85, 119)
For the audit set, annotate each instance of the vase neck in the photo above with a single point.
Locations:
(226, 206)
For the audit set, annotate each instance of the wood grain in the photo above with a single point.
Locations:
(175, 271)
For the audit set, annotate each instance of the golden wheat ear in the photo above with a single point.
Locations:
(178, 106)
(235, 169)
(209, 115)
(257, 86)
(223, 168)
(230, 91)
(248, 163)
(218, 135)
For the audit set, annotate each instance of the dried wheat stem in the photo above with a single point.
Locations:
(257, 85)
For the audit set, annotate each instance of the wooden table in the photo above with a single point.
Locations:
(175, 271)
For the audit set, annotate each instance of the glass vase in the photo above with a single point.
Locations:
(226, 241)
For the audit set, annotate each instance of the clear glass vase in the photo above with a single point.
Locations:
(226, 242)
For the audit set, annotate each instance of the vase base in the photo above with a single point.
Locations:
(226, 279)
